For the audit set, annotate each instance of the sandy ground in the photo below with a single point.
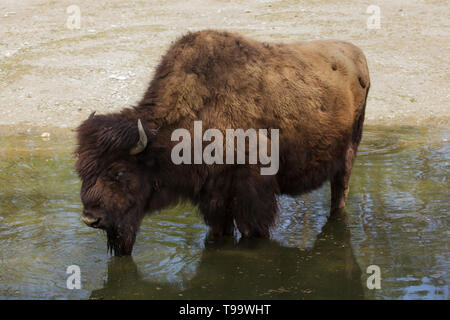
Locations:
(52, 76)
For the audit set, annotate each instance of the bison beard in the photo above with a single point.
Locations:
(314, 93)
(122, 234)
(120, 239)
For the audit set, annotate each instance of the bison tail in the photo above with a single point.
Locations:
(358, 124)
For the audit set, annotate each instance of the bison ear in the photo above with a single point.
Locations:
(112, 134)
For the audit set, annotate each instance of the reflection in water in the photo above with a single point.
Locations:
(397, 214)
(252, 269)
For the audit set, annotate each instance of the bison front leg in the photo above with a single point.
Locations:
(217, 217)
(255, 206)
(340, 183)
(255, 219)
(222, 228)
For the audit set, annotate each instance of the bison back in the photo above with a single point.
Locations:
(313, 92)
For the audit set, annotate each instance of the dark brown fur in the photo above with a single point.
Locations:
(313, 92)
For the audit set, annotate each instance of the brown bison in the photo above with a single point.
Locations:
(314, 93)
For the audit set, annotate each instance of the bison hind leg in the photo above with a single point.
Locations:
(340, 180)
(340, 183)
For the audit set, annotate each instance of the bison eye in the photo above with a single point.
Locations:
(118, 175)
(113, 176)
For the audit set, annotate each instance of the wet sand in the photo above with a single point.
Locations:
(54, 77)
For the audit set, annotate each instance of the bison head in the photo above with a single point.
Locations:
(113, 164)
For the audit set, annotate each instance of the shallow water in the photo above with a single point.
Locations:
(397, 219)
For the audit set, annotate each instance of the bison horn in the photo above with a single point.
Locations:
(91, 115)
(142, 143)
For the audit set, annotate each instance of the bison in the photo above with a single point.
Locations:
(314, 93)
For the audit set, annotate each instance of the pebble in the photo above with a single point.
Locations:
(118, 77)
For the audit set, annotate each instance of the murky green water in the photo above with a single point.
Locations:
(397, 219)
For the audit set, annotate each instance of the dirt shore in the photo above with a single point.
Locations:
(54, 76)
